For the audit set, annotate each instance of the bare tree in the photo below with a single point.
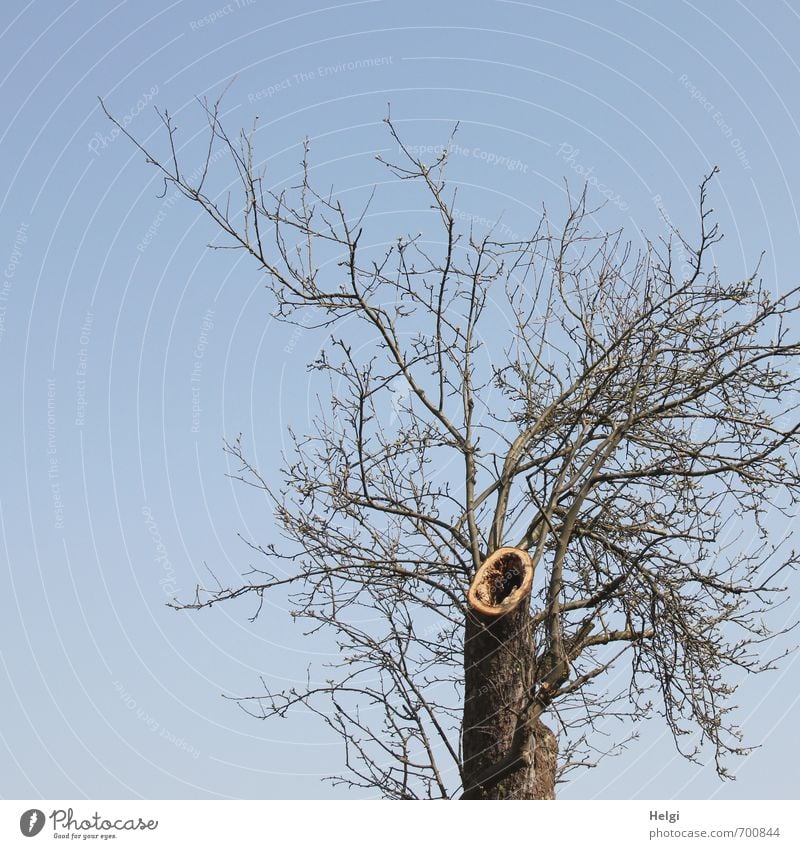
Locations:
(583, 447)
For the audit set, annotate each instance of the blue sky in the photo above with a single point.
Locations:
(128, 350)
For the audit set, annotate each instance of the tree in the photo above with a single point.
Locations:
(584, 443)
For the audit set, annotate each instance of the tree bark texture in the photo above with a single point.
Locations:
(506, 754)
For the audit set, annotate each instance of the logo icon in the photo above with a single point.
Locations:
(31, 822)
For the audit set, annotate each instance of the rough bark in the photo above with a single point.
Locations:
(507, 754)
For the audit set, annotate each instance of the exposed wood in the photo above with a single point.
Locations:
(501, 747)
(502, 582)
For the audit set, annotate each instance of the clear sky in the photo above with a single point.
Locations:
(128, 350)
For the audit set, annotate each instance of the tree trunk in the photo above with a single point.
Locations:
(505, 755)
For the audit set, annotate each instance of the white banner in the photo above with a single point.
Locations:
(368, 825)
